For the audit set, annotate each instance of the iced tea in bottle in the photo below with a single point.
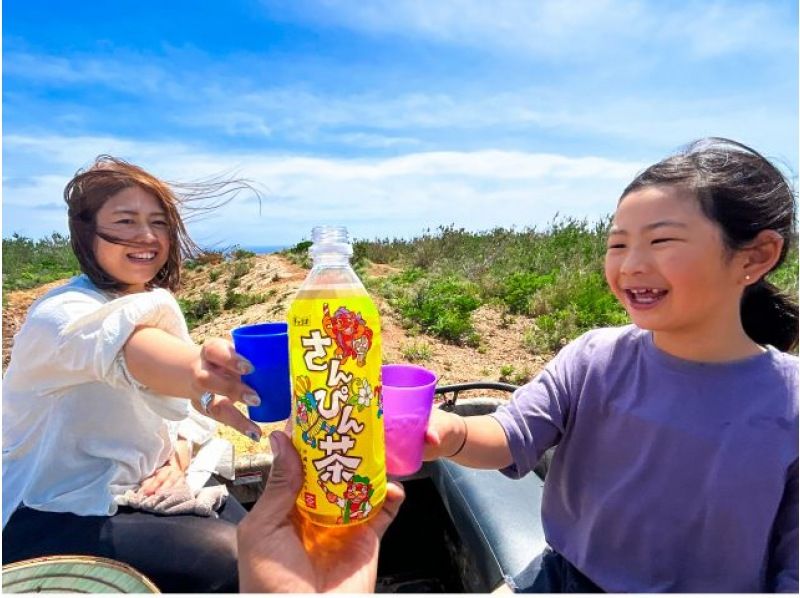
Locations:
(335, 359)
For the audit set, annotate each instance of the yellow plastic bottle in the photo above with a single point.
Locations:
(335, 360)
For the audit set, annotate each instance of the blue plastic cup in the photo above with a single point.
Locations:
(266, 346)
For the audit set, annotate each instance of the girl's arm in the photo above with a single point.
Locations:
(168, 365)
(477, 441)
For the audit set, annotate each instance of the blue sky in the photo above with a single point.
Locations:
(387, 116)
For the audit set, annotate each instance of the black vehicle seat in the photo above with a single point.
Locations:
(497, 518)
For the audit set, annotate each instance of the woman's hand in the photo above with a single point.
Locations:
(444, 436)
(280, 551)
(165, 477)
(218, 369)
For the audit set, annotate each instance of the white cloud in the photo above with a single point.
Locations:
(128, 72)
(585, 30)
(375, 197)
(603, 106)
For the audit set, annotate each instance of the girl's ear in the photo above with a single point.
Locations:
(760, 255)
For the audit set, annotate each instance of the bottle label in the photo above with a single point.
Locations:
(337, 408)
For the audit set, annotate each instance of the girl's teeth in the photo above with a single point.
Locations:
(646, 296)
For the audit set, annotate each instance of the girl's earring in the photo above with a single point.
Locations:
(747, 277)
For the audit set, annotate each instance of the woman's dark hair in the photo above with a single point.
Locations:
(744, 193)
(89, 189)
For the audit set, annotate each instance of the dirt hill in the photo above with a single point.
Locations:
(278, 279)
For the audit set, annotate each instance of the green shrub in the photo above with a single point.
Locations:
(577, 301)
(240, 301)
(517, 289)
(505, 371)
(28, 263)
(298, 254)
(442, 307)
(301, 247)
(213, 274)
(209, 257)
(785, 277)
(509, 374)
(199, 311)
(239, 269)
(239, 254)
(416, 351)
(551, 332)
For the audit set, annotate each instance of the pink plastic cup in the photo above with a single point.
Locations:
(407, 399)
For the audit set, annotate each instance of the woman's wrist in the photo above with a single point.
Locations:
(183, 454)
(464, 432)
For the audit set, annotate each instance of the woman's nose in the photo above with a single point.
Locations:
(145, 232)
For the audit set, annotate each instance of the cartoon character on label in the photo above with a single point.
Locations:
(355, 501)
(308, 418)
(350, 332)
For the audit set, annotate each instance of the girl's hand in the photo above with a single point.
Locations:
(444, 436)
(218, 370)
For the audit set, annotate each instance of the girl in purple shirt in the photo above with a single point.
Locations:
(676, 467)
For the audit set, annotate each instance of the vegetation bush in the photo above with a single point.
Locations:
(209, 257)
(510, 375)
(199, 311)
(238, 270)
(785, 277)
(441, 307)
(298, 254)
(28, 263)
(416, 351)
(240, 301)
(516, 291)
(553, 276)
(556, 271)
(237, 253)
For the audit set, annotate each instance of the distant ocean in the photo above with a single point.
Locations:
(265, 248)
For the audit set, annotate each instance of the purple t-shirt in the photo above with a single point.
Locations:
(670, 475)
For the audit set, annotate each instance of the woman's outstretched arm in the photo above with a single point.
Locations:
(168, 365)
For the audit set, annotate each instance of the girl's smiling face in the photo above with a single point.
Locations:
(667, 264)
(137, 218)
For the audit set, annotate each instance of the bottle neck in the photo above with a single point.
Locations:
(331, 259)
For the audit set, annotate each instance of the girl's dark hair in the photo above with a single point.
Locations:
(89, 189)
(744, 193)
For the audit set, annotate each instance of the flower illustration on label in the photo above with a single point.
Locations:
(362, 395)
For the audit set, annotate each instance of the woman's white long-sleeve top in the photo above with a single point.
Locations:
(78, 430)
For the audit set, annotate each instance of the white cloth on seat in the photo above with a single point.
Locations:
(178, 500)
